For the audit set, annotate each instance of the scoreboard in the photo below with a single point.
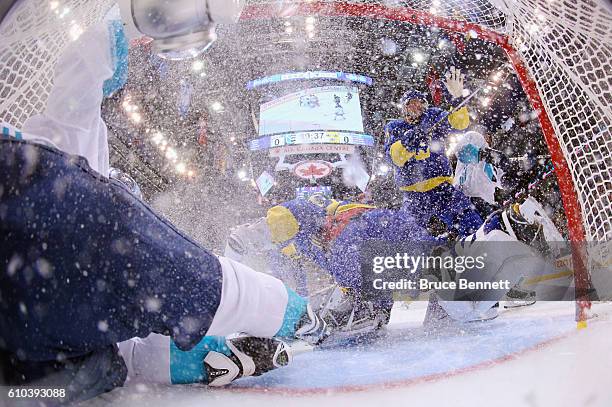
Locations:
(311, 137)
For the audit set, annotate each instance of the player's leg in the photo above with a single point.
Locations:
(89, 265)
(346, 308)
(444, 210)
(457, 211)
(515, 249)
(75, 378)
(215, 360)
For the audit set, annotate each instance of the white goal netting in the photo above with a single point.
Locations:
(566, 46)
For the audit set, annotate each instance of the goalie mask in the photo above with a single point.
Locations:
(180, 29)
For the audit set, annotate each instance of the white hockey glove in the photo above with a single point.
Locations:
(454, 82)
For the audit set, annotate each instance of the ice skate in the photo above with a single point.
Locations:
(437, 317)
(349, 315)
(518, 297)
(249, 356)
(312, 328)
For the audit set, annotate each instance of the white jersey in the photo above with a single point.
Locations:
(251, 302)
(72, 120)
(474, 179)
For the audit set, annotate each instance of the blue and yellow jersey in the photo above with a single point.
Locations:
(303, 227)
(348, 225)
(418, 151)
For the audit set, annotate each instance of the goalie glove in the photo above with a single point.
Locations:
(454, 82)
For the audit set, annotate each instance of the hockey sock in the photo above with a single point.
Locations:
(296, 308)
(187, 366)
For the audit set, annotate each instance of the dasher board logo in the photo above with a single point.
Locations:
(312, 169)
(312, 149)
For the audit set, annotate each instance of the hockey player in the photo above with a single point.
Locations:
(331, 234)
(481, 171)
(415, 146)
(474, 176)
(90, 269)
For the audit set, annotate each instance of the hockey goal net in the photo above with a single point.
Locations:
(561, 51)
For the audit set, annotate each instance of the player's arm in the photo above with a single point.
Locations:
(88, 70)
(460, 118)
(395, 146)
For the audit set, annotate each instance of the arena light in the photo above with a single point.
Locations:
(75, 31)
(136, 117)
(383, 169)
(497, 76)
(171, 154)
(181, 168)
(451, 148)
(157, 138)
(197, 66)
(388, 46)
(310, 20)
(63, 13)
(242, 175)
(127, 103)
(418, 57)
(216, 106)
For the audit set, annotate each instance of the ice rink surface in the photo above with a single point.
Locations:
(531, 356)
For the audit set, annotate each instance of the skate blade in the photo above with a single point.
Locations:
(518, 304)
(476, 321)
(352, 338)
